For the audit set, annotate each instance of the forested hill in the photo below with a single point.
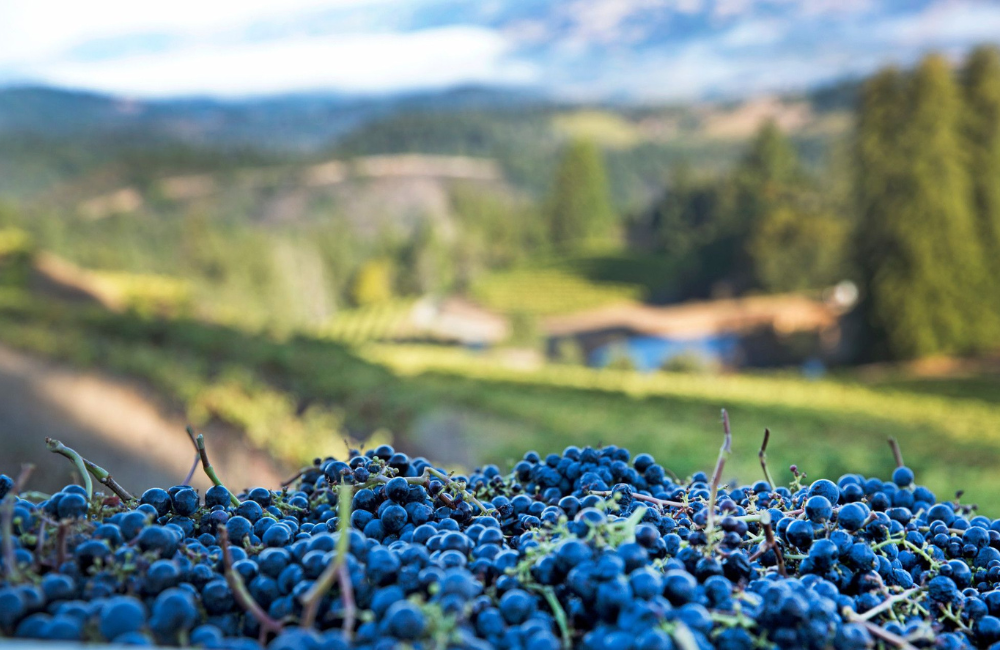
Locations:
(50, 136)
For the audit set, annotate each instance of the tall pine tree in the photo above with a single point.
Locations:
(921, 259)
(879, 186)
(981, 83)
(580, 211)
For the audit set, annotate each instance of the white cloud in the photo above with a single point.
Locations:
(592, 47)
(367, 63)
(754, 33)
(600, 21)
(943, 24)
(34, 29)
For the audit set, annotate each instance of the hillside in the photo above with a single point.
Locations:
(50, 138)
(489, 410)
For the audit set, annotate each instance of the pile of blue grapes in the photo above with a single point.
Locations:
(591, 548)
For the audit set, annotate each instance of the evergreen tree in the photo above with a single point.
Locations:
(764, 226)
(689, 215)
(981, 82)
(580, 211)
(794, 249)
(920, 258)
(768, 182)
(770, 164)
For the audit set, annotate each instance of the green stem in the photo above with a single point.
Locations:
(447, 481)
(888, 604)
(199, 444)
(311, 599)
(921, 552)
(59, 448)
(892, 540)
(683, 638)
(104, 478)
(560, 615)
(953, 617)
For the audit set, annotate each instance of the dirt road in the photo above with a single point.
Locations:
(113, 422)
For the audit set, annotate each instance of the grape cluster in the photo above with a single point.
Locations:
(589, 549)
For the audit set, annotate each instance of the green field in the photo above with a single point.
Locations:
(570, 284)
(299, 396)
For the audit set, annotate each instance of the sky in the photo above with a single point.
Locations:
(588, 49)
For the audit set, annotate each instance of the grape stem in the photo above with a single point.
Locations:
(199, 445)
(240, 592)
(61, 529)
(683, 637)
(102, 475)
(194, 468)
(878, 631)
(425, 478)
(663, 503)
(59, 448)
(560, 615)
(770, 544)
(292, 480)
(39, 546)
(447, 481)
(104, 478)
(762, 456)
(311, 599)
(7, 524)
(347, 596)
(896, 453)
(888, 604)
(724, 451)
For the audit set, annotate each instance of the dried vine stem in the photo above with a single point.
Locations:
(104, 478)
(194, 468)
(292, 480)
(762, 456)
(663, 503)
(61, 529)
(7, 524)
(240, 592)
(896, 453)
(724, 451)
(878, 631)
(770, 544)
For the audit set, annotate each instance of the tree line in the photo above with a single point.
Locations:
(927, 155)
(910, 209)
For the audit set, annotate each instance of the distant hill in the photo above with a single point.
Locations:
(285, 123)
(56, 142)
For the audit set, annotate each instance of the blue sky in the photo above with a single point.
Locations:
(645, 50)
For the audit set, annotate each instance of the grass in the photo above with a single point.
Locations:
(375, 322)
(602, 127)
(296, 396)
(569, 284)
(827, 427)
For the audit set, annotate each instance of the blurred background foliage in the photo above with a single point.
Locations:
(276, 289)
